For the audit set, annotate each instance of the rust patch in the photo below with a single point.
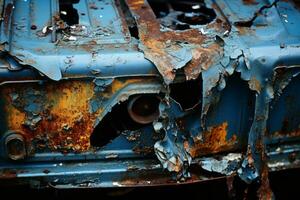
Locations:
(64, 122)
(254, 84)
(171, 50)
(144, 150)
(285, 131)
(145, 179)
(8, 174)
(220, 25)
(282, 133)
(244, 30)
(153, 178)
(60, 117)
(214, 141)
(249, 157)
(265, 191)
(125, 28)
(6, 19)
(202, 60)
(250, 2)
(132, 136)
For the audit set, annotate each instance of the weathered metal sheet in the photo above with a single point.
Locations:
(62, 117)
(36, 40)
(245, 56)
(171, 50)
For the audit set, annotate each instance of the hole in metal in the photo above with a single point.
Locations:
(15, 147)
(68, 13)
(181, 15)
(284, 117)
(134, 31)
(188, 94)
(120, 120)
(143, 109)
(132, 26)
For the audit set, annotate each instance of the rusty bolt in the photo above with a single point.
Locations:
(15, 146)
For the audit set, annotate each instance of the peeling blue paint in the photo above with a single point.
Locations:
(259, 48)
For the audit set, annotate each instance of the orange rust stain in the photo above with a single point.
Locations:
(294, 133)
(214, 141)
(220, 25)
(117, 84)
(285, 132)
(254, 84)
(250, 156)
(177, 167)
(265, 191)
(202, 57)
(71, 122)
(245, 30)
(66, 122)
(157, 45)
(16, 117)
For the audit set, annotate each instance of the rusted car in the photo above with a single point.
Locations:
(120, 93)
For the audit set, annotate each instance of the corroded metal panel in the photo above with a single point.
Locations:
(182, 86)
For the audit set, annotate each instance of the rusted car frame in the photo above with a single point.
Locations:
(136, 93)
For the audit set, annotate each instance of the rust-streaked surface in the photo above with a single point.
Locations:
(152, 179)
(57, 116)
(166, 49)
(250, 2)
(7, 14)
(238, 38)
(214, 141)
(294, 133)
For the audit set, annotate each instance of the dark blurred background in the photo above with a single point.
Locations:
(285, 185)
